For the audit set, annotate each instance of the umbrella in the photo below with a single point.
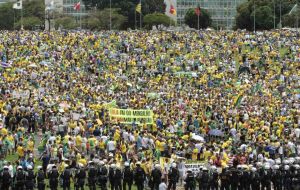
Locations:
(216, 132)
(5, 65)
(32, 65)
(198, 138)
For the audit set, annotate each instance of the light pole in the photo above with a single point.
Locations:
(109, 14)
(254, 17)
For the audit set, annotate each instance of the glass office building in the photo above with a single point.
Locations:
(222, 12)
(68, 8)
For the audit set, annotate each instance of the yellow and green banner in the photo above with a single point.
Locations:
(129, 116)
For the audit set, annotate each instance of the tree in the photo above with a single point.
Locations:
(264, 13)
(65, 22)
(264, 18)
(191, 19)
(6, 16)
(29, 23)
(99, 20)
(157, 19)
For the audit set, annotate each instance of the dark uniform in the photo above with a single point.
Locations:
(66, 177)
(266, 179)
(29, 180)
(92, 177)
(53, 178)
(156, 178)
(244, 181)
(199, 177)
(254, 179)
(190, 181)
(20, 180)
(173, 178)
(276, 179)
(234, 177)
(224, 177)
(127, 178)
(80, 179)
(287, 179)
(139, 177)
(40, 178)
(5, 179)
(205, 180)
(214, 180)
(102, 173)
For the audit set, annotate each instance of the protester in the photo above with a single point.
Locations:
(226, 99)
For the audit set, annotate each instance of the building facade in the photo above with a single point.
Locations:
(222, 12)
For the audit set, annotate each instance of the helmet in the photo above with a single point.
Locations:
(19, 167)
(239, 166)
(253, 169)
(189, 170)
(91, 162)
(292, 160)
(278, 161)
(138, 163)
(297, 166)
(201, 167)
(213, 168)
(113, 165)
(157, 166)
(126, 164)
(205, 169)
(101, 163)
(39, 167)
(29, 167)
(286, 167)
(276, 167)
(174, 165)
(259, 164)
(80, 165)
(285, 162)
(5, 167)
(267, 167)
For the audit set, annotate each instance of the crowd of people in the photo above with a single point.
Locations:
(226, 99)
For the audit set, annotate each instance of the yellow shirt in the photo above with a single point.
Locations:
(83, 161)
(78, 140)
(20, 151)
(4, 131)
(30, 145)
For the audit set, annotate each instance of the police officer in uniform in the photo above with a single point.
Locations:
(276, 177)
(205, 179)
(199, 176)
(53, 178)
(66, 177)
(29, 178)
(118, 178)
(127, 176)
(5, 179)
(189, 180)
(20, 178)
(111, 176)
(254, 179)
(80, 177)
(266, 177)
(214, 178)
(224, 177)
(139, 176)
(92, 176)
(173, 177)
(40, 178)
(233, 180)
(102, 173)
(287, 178)
(244, 181)
(156, 177)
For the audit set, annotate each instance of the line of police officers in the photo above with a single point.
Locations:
(242, 177)
(96, 176)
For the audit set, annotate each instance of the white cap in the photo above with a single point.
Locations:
(80, 165)
(126, 164)
(286, 167)
(29, 167)
(138, 163)
(113, 165)
(276, 167)
(19, 167)
(174, 165)
(157, 166)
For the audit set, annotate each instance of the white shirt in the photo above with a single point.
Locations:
(162, 186)
(111, 145)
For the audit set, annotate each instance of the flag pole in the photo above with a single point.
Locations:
(254, 17)
(80, 16)
(134, 19)
(141, 16)
(109, 14)
(22, 15)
